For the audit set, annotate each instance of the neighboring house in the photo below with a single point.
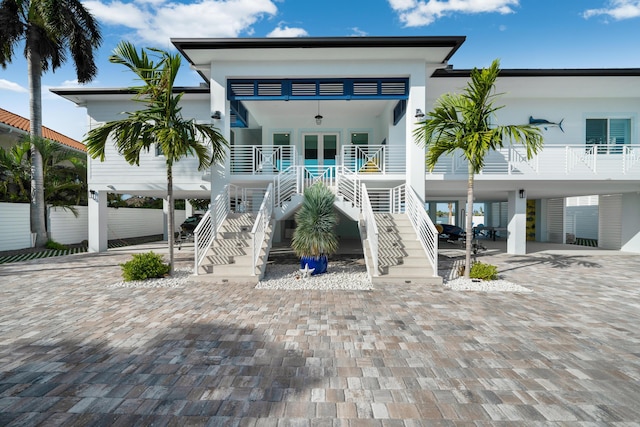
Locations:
(346, 108)
(14, 128)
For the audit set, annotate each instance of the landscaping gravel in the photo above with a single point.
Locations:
(338, 276)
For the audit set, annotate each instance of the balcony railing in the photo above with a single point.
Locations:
(607, 160)
(261, 159)
(601, 160)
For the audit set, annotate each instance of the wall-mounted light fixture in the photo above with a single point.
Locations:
(217, 115)
(93, 194)
(318, 116)
(522, 193)
(419, 114)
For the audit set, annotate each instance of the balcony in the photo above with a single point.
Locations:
(554, 162)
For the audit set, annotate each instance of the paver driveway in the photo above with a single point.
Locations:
(76, 351)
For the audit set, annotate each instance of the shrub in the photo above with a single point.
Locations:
(144, 266)
(483, 271)
(55, 246)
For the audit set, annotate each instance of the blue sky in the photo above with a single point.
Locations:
(521, 33)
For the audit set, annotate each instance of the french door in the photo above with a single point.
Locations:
(319, 149)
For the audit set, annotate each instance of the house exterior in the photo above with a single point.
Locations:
(344, 110)
(13, 128)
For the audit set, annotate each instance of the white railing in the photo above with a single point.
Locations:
(205, 232)
(580, 155)
(630, 158)
(286, 184)
(313, 173)
(398, 199)
(260, 226)
(424, 227)
(245, 199)
(605, 160)
(261, 159)
(348, 186)
(378, 159)
(371, 228)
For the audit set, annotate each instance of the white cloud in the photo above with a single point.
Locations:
(156, 21)
(357, 32)
(11, 86)
(617, 9)
(284, 31)
(416, 13)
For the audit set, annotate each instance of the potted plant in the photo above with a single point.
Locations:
(314, 237)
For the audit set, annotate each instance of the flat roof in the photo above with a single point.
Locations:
(549, 72)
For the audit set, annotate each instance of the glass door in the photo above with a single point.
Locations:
(320, 149)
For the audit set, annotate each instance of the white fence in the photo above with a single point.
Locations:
(15, 230)
(65, 228)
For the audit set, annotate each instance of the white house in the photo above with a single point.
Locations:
(344, 110)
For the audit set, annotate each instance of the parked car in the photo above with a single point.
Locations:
(190, 224)
(450, 232)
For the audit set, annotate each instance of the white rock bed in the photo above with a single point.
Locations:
(337, 277)
(177, 280)
(462, 284)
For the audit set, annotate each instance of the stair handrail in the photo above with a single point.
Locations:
(260, 226)
(205, 233)
(286, 184)
(348, 186)
(424, 227)
(371, 228)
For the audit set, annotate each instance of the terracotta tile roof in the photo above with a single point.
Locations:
(21, 123)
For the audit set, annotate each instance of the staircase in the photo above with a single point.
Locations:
(401, 258)
(230, 258)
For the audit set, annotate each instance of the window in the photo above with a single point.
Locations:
(359, 138)
(281, 139)
(608, 133)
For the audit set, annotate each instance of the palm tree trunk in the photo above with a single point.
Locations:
(469, 223)
(37, 209)
(170, 226)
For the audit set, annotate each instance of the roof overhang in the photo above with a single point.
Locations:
(81, 96)
(202, 52)
(551, 83)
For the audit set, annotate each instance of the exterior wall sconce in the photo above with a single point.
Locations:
(217, 115)
(93, 194)
(419, 114)
(522, 193)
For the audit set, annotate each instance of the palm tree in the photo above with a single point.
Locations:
(463, 123)
(47, 29)
(159, 123)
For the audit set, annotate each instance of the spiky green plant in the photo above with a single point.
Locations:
(315, 223)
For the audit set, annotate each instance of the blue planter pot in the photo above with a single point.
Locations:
(319, 264)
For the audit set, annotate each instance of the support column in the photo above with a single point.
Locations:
(98, 221)
(188, 209)
(630, 222)
(415, 154)
(517, 226)
(165, 219)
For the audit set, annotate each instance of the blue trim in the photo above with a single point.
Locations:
(313, 89)
(238, 115)
(399, 111)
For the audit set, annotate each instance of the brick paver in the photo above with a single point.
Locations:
(76, 351)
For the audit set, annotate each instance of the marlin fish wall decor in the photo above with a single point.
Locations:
(545, 123)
